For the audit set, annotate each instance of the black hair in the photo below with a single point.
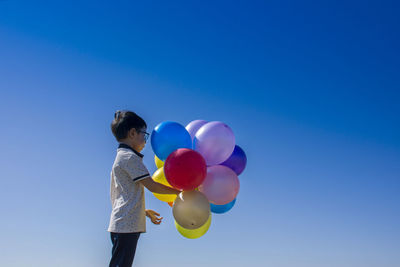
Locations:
(124, 121)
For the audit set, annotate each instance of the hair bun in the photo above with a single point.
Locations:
(117, 114)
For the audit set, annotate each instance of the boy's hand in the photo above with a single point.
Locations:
(154, 216)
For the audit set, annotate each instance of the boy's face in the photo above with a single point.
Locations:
(138, 138)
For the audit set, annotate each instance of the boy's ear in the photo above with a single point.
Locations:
(132, 132)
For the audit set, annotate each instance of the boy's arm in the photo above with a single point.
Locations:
(157, 187)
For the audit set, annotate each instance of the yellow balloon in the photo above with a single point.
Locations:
(159, 177)
(159, 162)
(194, 233)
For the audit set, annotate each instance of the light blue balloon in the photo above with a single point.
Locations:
(222, 208)
(167, 137)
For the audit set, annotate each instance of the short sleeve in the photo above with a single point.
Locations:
(136, 169)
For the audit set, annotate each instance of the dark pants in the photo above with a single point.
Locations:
(124, 248)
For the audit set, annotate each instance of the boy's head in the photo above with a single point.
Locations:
(129, 128)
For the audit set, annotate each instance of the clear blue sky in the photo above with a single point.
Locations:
(311, 90)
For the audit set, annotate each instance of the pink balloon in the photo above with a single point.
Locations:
(221, 185)
(215, 141)
(194, 126)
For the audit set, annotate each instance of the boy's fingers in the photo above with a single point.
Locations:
(156, 213)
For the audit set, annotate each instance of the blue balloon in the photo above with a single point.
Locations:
(237, 161)
(222, 208)
(167, 137)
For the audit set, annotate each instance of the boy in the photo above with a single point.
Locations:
(128, 177)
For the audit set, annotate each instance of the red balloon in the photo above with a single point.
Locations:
(185, 169)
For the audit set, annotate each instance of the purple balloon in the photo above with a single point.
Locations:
(194, 126)
(221, 185)
(237, 161)
(215, 141)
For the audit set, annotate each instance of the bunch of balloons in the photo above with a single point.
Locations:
(203, 160)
